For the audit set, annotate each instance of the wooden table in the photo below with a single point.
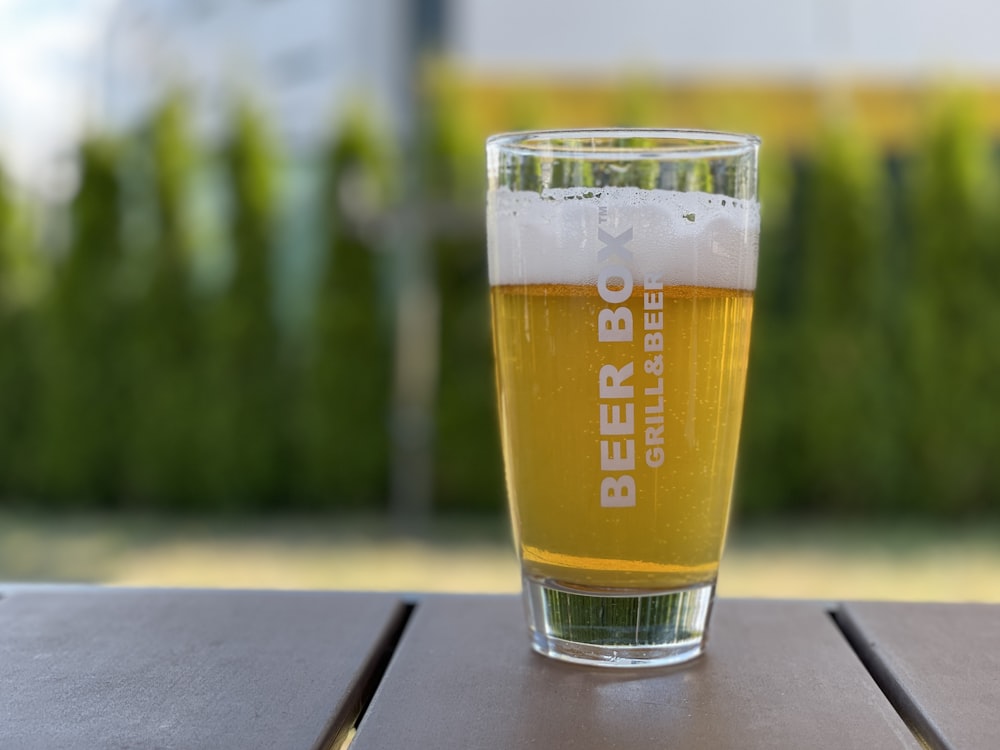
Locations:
(91, 667)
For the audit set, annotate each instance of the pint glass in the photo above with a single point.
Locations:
(622, 266)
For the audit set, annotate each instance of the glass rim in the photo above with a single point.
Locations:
(670, 143)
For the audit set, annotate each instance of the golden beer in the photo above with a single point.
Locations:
(622, 266)
(667, 417)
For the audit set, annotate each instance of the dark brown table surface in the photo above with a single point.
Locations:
(93, 667)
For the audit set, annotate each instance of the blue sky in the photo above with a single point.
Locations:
(48, 63)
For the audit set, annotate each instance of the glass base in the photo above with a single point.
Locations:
(617, 628)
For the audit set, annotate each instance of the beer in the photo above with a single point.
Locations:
(679, 431)
(622, 266)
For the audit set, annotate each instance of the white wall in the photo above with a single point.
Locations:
(302, 59)
(789, 39)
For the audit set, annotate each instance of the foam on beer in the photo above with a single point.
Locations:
(682, 238)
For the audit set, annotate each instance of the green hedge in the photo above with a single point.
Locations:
(161, 453)
(127, 382)
(341, 415)
(76, 428)
(870, 388)
(242, 439)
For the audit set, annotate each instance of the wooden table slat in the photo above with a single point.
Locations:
(95, 668)
(940, 662)
(777, 675)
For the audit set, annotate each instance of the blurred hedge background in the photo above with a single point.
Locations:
(157, 352)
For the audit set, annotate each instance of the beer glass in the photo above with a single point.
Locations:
(622, 266)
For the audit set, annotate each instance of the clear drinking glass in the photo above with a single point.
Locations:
(622, 266)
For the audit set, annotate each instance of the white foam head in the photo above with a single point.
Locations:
(681, 238)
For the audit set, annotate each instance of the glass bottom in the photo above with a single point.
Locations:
(617, 628)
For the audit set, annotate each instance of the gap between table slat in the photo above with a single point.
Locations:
(343, 723)
(923, 728)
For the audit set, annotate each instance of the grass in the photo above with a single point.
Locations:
(825, 560)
